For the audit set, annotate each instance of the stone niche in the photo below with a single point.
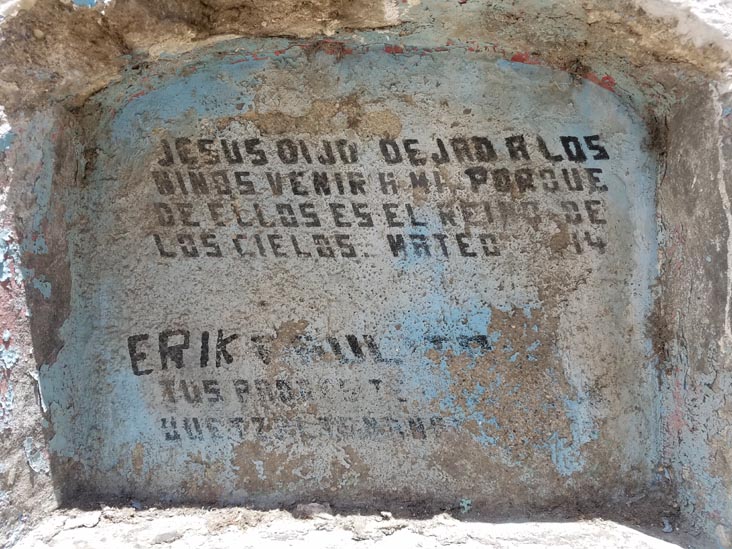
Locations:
(364, 274)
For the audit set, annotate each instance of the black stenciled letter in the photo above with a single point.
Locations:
(174, 352)
(478, 176)
(516, 145)
(137, 356)
(167, 158)
(390, 151)
(573, 148)
(592, 143)
(221, 343)
(545, 150)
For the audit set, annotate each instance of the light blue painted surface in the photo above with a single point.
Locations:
(101, 412)
(6, 140)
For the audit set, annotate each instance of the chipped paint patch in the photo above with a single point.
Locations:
(35, 455)
(9, 357)
(10, 268)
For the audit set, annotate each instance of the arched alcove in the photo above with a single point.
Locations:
(290, 266)
(415, 269)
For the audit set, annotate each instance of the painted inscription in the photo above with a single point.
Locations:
(294, 199)
(242, 198)
(403, 276)
(178, 351)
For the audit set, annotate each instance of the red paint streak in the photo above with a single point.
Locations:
(339, 49)
(138, 94)
(525, 57)
(475, 46)
(607, 81)
(388, 48)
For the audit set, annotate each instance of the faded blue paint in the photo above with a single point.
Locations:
(42, 286)
(465, 505)
(189, 96)
(10, 261)
(9, 358)
(40, 157)
(6, 140)
(10, 250)
(35, 456)
(38, 246)
(207, 89)
(566, 454)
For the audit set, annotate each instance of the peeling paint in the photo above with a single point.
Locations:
(429, 379)
(9, 357)
(35, 456)
(10, 258)
(565, 372)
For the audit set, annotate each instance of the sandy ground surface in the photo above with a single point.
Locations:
(313, 526)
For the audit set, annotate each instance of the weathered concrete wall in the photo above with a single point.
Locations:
(459, 303)
(694, 215)
(26, 285)
(525, 376)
